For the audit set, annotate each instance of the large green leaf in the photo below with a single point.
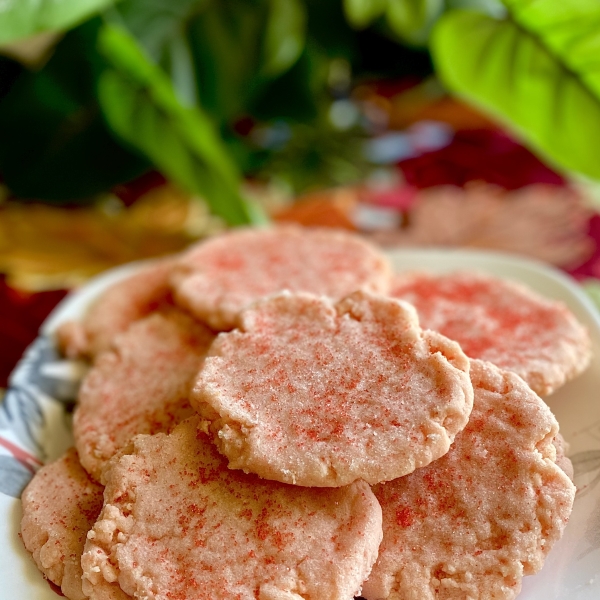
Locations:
(161, 26)
(240, 47)
(494, 8)
(361, 13)
(24, 18)
(140, 104)
(54, 142)
(154, 23)
(226, 46)
(570, 30)
(540, 75)
(411, 20)
(284, 37)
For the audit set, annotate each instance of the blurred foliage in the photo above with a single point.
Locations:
(536, 70)
(55, 143)
(208, 91)
(24, 18)
(141, 106)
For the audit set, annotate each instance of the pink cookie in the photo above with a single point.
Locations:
(562, 460)
(500, 321)
(141, 386)
(473, 523)
(177, 524)
(219, 277)
(60, 505)
(123, 303)
(317, 393)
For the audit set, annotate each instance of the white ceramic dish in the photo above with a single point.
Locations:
(35, 426)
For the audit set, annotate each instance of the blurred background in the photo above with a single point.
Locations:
(129, 129)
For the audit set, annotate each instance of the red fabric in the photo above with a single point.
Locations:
(21, 315)
(478, 155)
(591, 267)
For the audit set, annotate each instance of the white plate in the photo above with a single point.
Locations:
(35, 426)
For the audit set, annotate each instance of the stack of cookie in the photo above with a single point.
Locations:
(268, 416)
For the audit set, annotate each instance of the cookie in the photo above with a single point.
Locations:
(217, 278)
(60, 505)
(120, 305)
(562, 460)
(473, 523)
(142, 385)
(317, 393)
(177, 524)
(502, 322)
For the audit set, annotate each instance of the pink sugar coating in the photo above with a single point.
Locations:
(321, 394)
(219, 277)
(177, 524)
(502, 322)
(120, 305)
(141, 386)
(472, 523)
(60, 505)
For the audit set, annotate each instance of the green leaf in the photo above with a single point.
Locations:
(569, 30)
(24, 18)
(494, 8)
(182, 70)
(54, 143)
(361, 13)
(539, 76)
(161, 27)
(284, 36)
(225, 41)
(154, 23)
(142, 107)
(411, 20)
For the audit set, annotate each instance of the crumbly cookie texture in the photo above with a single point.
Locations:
(473, 523)
(115, 310)
(317, 393)
(502, 322)
(142, 385)
(562, 460)
(177, 524)
(217, 278)
(60, 505)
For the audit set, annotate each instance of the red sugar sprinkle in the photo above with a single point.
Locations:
(405, 517)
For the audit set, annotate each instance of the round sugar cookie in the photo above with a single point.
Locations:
(502, 322)
(60, 505)
(217, 278)
(317, 393)
(473, 523)
(120, 305)
(177, 524)
(142, 385)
